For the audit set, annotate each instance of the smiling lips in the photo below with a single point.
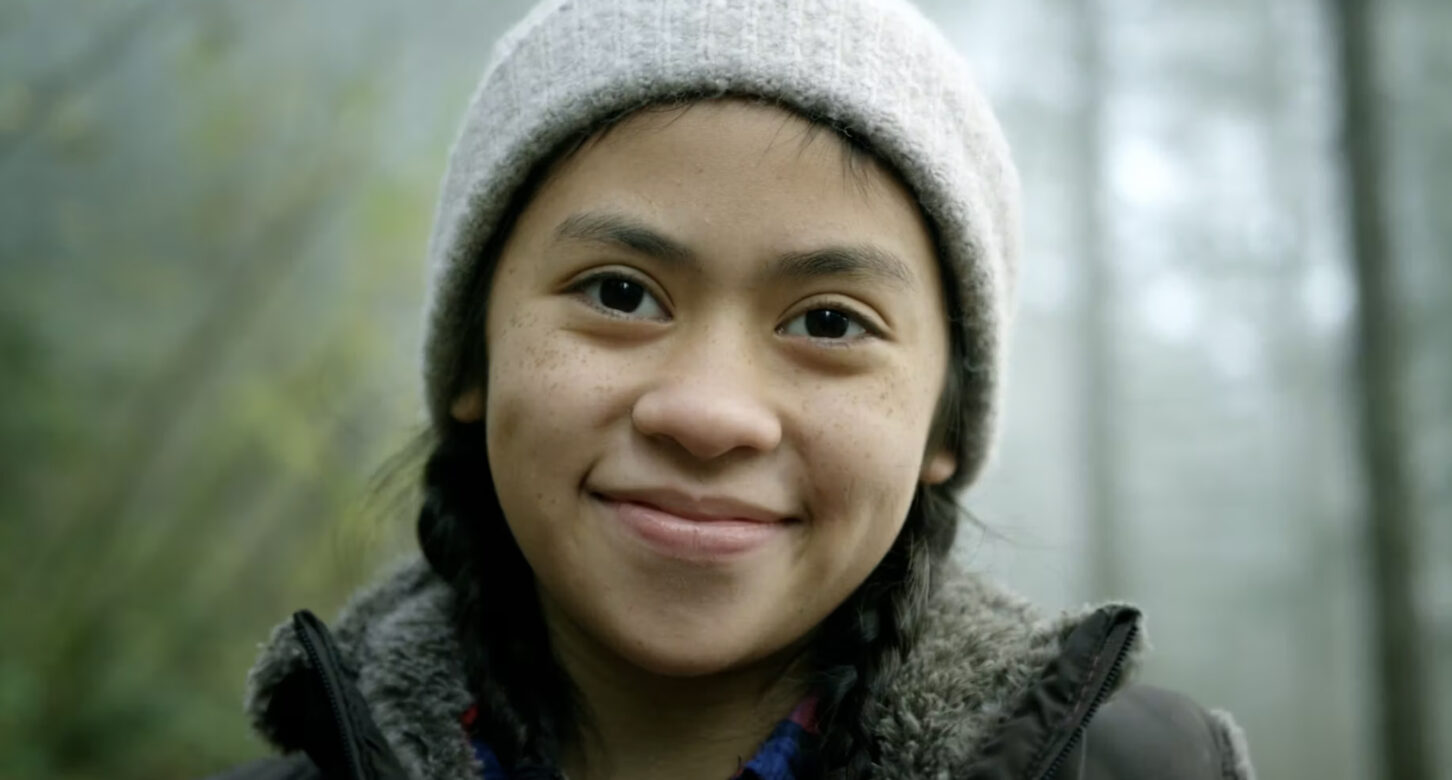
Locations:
(695, 529)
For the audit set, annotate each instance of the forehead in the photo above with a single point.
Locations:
(733, 173)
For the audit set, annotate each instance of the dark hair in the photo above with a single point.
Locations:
(527, 705)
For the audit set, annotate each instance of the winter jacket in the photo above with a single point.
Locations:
(992, 691)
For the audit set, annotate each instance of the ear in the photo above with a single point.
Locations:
(938, 467)
(468, 407)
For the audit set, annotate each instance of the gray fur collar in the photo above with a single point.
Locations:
(981, 652)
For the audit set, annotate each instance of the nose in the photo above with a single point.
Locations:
(710, 401)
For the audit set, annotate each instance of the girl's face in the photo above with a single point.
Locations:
(715, 353)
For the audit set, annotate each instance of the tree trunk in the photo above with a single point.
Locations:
(1401, 709)
(1099, 453)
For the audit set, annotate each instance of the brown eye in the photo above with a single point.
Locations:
(621, 296)
(827, 324)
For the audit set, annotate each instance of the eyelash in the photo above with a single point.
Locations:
(580, 286)
(870, 329)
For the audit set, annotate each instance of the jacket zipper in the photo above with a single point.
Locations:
(1120, 639)
(302, 623)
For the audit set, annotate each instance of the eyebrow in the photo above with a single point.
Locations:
(612, 229)
(855, 261)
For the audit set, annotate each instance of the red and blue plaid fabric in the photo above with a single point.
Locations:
(780, 757)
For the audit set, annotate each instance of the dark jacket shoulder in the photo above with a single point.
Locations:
(1144, 732)
(997, 691)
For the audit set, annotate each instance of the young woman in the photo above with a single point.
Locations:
(715, 339)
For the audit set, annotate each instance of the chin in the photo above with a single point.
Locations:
(668, 652)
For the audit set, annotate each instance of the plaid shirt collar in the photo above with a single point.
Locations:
(782, 756)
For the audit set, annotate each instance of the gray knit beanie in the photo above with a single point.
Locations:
(875, 69)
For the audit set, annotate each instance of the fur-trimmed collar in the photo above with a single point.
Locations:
(981, 652)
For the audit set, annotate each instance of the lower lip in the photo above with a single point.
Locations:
(700, 540)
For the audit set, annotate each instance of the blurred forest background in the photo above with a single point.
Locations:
(1231, 399)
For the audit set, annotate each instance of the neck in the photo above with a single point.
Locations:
(639, 724)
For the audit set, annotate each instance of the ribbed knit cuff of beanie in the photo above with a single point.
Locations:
(875, 69)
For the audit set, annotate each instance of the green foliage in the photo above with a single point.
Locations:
(202, 348)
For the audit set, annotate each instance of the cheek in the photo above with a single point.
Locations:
(548, 412)
(864, 455)
(544, 393)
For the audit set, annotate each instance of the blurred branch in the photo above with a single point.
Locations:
(158, 405)
(109, 46)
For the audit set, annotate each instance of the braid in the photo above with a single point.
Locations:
(863, 642)
(524, 701)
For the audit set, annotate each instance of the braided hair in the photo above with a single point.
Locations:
(528, 706)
